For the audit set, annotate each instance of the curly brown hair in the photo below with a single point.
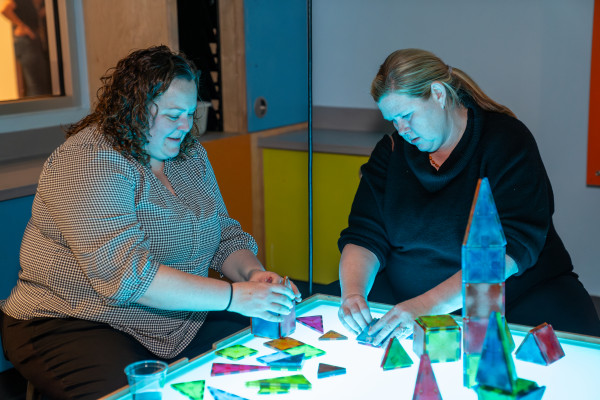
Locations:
(123, 111)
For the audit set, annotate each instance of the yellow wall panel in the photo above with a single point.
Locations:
(335, 179)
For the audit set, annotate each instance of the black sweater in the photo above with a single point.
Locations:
(413, 217)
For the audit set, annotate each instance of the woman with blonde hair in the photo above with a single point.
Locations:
(403, 242)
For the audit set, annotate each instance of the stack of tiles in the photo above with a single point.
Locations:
(496, 374)
(483, 274)
(438, 336)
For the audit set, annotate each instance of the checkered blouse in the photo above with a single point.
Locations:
(102, 223)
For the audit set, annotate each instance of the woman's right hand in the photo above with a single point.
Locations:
(269, 301)
(354, 313)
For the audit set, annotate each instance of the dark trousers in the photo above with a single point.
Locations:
(76, 359)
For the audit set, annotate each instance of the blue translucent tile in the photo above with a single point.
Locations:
(219, 394)
(484, 228)
(485, 265)
(496, 367)
(272, 357)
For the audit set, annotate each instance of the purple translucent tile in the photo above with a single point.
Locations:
(314, 322)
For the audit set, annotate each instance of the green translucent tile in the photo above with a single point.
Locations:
(273, 390)
(470, 365)
(283, 343)
(523, 390)
(439, 336)
(283, 382)
(395, 356)
(437, 322)
(236, 352)
(193, 390)
(306, 349)
(333, 335)
(510, 342)
(443, 345)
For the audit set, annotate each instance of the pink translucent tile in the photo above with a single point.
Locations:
(227, 369)
(474, 334)
(483, 298)
(426, 387)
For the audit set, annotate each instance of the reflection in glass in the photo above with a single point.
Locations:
(28, 49)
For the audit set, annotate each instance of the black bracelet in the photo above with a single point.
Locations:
(230, 296)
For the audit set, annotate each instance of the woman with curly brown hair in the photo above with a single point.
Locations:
(126, 221)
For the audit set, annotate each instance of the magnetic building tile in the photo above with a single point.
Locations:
(194, 390)
(219, 369)
(332, 335)
(482, 298)
(284, 382)
(540, 346)
(439, 336)
(327, 370)
(219, 394)
(283, 343)
(426, 387)
(395, 356)
(236, 352)
(496, 367)
(306, 349)
(314, 322)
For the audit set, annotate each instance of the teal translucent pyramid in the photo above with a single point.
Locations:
(529, 351)
(496, 368)
(484, 244)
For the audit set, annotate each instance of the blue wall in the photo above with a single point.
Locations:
(276, 61)
(14, 215)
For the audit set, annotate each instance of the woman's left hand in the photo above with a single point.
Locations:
(398, 322)
(272, 277)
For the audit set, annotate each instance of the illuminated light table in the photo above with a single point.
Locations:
(577, 375)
